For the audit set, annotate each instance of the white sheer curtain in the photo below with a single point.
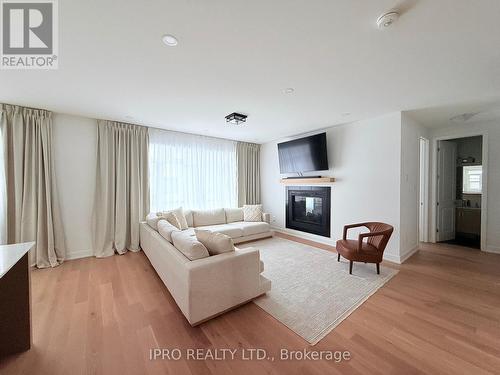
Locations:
(3, 191)
(191, 171)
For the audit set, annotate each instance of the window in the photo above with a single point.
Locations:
(472, 179)
(191, 171)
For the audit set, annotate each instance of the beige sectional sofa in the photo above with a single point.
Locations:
(229, 221)
(204, 288)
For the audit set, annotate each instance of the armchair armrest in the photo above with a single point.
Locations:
(362, 236)
(347, 227)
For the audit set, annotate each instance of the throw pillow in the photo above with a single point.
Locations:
(179, 215)
(216, 243)
(170, 217)
(189, 245)
(166, 229)
(252, 212)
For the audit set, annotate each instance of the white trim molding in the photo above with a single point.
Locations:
(332, 242)
(456, 134)
(492, 249)
(307, 236)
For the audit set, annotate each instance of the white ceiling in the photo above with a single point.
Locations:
(236, 55)
(446, 115)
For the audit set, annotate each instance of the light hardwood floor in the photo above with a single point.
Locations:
(439, 315)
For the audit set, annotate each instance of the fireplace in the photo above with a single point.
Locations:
(308, 209)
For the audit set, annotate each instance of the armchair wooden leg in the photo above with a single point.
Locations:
(338, 258)
(378, 268)
(350, 267)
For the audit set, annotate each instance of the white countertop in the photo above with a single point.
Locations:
(11, 254)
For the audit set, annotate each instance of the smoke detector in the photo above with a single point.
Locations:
(387, 19)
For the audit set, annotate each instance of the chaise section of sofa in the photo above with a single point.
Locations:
(207, 287)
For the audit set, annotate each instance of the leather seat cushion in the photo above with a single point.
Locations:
(349, 250)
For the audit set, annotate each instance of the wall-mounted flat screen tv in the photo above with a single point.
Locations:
(304, 154)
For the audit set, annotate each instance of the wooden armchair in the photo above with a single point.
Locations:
(370, 251)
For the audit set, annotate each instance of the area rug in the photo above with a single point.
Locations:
(311, 292)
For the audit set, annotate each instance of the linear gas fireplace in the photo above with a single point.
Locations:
(308, 209)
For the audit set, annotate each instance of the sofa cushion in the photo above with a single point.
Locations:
(216, 243)
(233, 214)
(188, 214)
(252, 212)
(189, 245)
(165, 229)
(251, 228)
(152, 220)
(209, 217)
(189, 232)
(227, 229)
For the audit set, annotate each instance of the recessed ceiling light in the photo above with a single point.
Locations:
(346, 114)
(129, 117)
(289, 90)
(170, 40)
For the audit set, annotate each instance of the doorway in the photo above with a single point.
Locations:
(460, 191)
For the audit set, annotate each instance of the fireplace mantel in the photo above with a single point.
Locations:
(307, 181)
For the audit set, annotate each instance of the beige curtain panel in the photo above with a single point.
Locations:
(33, 212)
(122, 187)
(248, 160)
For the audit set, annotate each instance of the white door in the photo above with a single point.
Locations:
(423, 190)
(447, 185)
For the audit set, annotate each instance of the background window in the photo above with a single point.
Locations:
(472, 179)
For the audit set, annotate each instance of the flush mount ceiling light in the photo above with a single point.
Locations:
(387, 19)
(345, 114)
(236, 118)
(169, 40)
(463, 117)
(289, 90)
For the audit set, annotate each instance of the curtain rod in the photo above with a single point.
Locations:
(24, 106)
(130, 123)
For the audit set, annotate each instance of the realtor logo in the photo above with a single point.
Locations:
(29, 34)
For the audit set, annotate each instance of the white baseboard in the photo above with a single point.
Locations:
(71, 255)
(492, 249)
(392, 258)
(307, 236)
(400, 259)
(408, 254)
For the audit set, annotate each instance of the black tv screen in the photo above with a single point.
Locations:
(303, 154)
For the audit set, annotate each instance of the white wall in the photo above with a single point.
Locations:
(74, 147)
(491, 132)
(411, 131)
(365, 160)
